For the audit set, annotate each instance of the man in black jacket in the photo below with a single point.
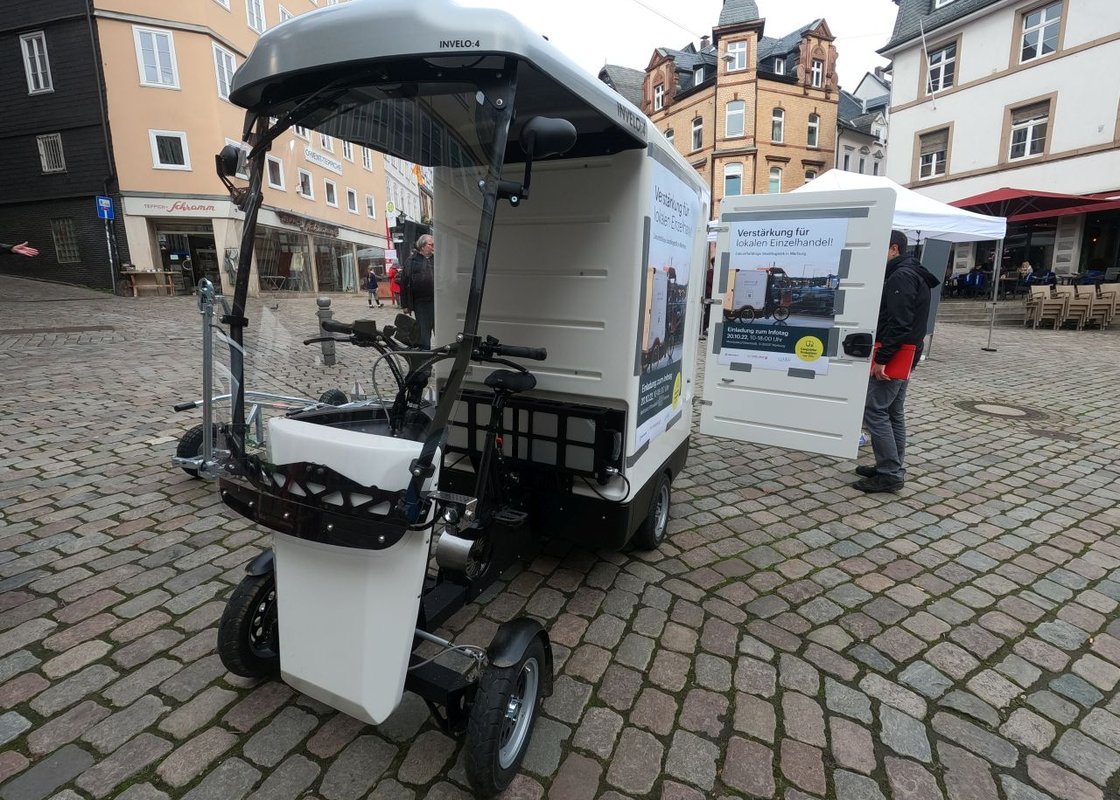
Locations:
(903, 315)
(418, 288)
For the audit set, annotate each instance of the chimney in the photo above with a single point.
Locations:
(705, 42)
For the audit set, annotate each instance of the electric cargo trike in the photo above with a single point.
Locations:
(552, 196)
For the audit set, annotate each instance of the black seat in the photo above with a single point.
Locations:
(506, 380)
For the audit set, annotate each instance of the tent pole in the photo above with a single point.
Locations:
(995, 295)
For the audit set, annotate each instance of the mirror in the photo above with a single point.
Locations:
(542, 137)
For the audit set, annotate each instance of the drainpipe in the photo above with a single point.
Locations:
(111, 174)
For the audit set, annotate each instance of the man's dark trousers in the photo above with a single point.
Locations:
(884, 420)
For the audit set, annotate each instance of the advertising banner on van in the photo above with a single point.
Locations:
(674, 214)
(779, 306)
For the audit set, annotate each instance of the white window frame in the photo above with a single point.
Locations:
(371, 207)
(738, 53)
(847, 162)
(778, 123)
(697, 134)
(659, 97)
(31, 62)
(734, 170)
(779, 66)
(137, 32)
(269, 161)
(285, 14)
(258, 7)
(810, 175)
(348, 151)
(698, 76)
(351, 195)
(775, 174)
(367, 158)
(817, 73)
(941, 3)
(862, 164)
(301, 132)
(739, 114)
(669, 135)
(326, 142)
(300, 175)
(220, 56)
(329, 188)
(47, 143)
(813, 134)
(224, 4)
(875, 167)
(1029, 129)
(154, 134)
(938, 67)
(1041, 28)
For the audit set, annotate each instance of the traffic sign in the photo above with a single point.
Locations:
(390, 208)
(104, 207)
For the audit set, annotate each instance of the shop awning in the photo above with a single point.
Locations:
(1023, 205)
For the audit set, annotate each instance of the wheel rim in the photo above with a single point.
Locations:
(263, 628)
(661, 511)
(517, 718)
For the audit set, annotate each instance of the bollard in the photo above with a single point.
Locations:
(324, 313)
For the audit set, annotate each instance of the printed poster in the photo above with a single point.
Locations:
(674, 215)
(779, 306)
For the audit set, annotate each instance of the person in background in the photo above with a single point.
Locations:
(394, 273)
(418, 288)
(371, 285)
(1041, 277)
(1025, 269)
(21, 249)
(903, 314)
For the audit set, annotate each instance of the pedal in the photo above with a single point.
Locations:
(510, 517)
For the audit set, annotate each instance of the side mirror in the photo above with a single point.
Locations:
(230, 161)
(542, 137)
(858, 345)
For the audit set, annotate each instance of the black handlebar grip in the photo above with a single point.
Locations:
(516, 351)
(184, 406)
(334, 326)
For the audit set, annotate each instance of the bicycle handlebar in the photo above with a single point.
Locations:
(517, 351)
(334, 326)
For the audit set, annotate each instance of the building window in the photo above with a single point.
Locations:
(875, 167)
(331, 193)
(862, 164)
(775, 180)
(933, 150)
(697, 133)
(367, 158)
(698, 76)
(301, 132)
(810, 174)
(732, 180)
(50, 152)
(1040, 32)
(275, 172)
(285, 14)
(736, 118)
(255, 11)
(306, 187)
(738, 53)
(1028, 130)
(65, 237)
(778, 125)
(224, 67)
(155, 54)
(669, 135)
(35, 62)
(169, 150)
(348, 151)
(941, 3)
(659, 97)
(371, 209)
(779, 66)
(817, 73)
(223, 3)
(847, 162)
(814, 130)
(942, 68)
(326, 142)
(351, 201)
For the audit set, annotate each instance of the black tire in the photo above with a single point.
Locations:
(190, 445)
(495, 743)
(747, 314)
(654, 527)
(334, 397)
(781, 313)
(249, 634)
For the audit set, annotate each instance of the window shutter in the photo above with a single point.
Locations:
(1033, 111)
(935, 142)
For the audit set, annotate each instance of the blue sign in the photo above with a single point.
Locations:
(104, 207)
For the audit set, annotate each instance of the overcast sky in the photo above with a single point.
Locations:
(625, 32)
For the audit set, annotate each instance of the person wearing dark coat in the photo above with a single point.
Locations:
(418, 288)
(903, 317)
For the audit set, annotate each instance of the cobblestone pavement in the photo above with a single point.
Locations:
(794, 638)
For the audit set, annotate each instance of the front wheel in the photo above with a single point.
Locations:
(190, 445)
(501, 720)
(334, 397)
(249, 632)
(747, 314)
(781, 313)
(652, 532)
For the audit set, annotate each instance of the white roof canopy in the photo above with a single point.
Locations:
(920, 217)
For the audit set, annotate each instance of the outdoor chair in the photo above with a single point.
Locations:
(1077, 309)
(1040, 305)
(1108, 294)
(1100, 311)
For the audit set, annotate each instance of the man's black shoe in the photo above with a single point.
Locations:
(879, 483)
(867, 472)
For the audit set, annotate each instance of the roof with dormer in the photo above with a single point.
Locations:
(624, 80)
(914, 16)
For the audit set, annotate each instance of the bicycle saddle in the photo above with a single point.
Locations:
(506, 380)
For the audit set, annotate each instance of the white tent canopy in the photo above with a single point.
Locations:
(920, 217)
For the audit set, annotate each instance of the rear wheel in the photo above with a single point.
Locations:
(190, 445)
(334, 397)
(781, 313)
(249, 632)
(501, 720)
(747, 314)
(652, 532)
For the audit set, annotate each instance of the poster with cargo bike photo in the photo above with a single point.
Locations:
(674, 215)
(779, 304)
